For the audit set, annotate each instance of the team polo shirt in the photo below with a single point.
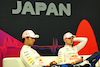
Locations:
(29, 56)
(69, 54)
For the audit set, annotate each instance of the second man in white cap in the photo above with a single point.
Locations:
(69, 54)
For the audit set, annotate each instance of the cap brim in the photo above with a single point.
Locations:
(35, 36)
(74, 36)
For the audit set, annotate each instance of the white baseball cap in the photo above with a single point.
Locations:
(29, 33)
(68, 35)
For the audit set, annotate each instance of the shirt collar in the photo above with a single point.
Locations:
(67, 46)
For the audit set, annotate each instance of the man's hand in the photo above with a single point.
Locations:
(53, 63)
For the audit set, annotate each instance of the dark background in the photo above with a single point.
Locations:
(50, 26)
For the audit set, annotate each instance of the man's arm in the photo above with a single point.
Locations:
(82, 40)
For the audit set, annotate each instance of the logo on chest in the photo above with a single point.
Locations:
(74, 57)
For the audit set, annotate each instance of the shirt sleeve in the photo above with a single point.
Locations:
(61, 56)
(82, 40)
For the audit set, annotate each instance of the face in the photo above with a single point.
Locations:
(68, 41)
(30, 41)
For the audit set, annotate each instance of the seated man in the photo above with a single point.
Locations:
(29, 56)
(69, 54)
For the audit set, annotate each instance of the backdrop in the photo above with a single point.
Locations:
(48, 18)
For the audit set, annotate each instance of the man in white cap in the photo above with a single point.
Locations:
(29, 56)
(69, 54)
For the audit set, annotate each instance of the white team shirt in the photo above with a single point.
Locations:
(69, 54)
(29, 56)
